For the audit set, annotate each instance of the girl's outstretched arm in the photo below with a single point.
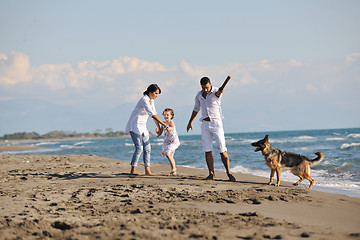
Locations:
(171, 126)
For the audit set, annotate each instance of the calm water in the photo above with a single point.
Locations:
(339, 172)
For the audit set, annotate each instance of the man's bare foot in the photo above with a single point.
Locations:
(133, 173)
(210, 177)
(231, 177)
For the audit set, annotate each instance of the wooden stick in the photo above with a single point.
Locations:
(225, 82)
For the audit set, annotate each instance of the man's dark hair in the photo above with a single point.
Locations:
(205, 80)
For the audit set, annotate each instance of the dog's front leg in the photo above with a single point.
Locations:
(278, 171)
(271, 176)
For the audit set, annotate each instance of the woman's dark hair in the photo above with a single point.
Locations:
(205, 80)
(152, 88)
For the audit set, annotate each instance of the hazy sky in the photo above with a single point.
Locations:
(294, 64)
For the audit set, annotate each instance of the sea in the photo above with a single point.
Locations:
(339, 172)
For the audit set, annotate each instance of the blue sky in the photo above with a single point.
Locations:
(294, 64)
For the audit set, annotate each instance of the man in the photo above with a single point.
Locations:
(208, 101)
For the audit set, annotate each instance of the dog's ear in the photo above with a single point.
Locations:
(266, 138)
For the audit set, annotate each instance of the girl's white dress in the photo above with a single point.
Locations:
(171, 142)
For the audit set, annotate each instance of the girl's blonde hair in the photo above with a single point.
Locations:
(171, 112)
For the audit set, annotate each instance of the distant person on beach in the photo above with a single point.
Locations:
(136, 126)
(171, 139)
(208, 100)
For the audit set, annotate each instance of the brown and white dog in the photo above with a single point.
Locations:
(278, 160)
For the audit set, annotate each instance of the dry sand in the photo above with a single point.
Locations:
(92, 197)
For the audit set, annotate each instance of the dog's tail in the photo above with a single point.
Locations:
(320, 157)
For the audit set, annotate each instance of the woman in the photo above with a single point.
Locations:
(136, 126)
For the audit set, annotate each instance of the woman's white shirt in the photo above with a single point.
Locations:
(143, 109)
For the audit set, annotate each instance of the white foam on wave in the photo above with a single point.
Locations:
(354, 135)
(242, 169)
(339, 185)
(46, 143)
(350, 145)
(43, 150)
(305, 138)
(230, 138)
(335, 139)
(325, 181)
(279, 140)
(343, 182)
(293, 139)
(190, 142)
(249, 140)
(153, 144)
(302, 149)
(82, 143)
(195, 167)
(71, 146)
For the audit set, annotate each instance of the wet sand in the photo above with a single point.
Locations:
(92, 197)
(11, 148)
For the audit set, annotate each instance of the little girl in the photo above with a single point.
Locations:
(171, 139)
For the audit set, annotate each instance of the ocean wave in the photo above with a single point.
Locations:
(347, 166)
(157, 144)
(335, 139)
(350, 145)
(248, 140)
(327, 163)
(46, 143)
(303, 149)
(354, 135)
(190, 142)
(34, 151)
(280, 140)
(157, 140)
(257, 172)
(305, 138)
(241, 141)
(71, 146)
(152, 144)
(82, 143)
(343, 180)
(322, 177)
(339, 185)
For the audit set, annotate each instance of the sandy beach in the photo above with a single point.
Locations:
(92, 197)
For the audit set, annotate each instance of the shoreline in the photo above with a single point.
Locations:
(14, 141)
(89, 197)
(8, 149)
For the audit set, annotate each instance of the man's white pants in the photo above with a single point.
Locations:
(213, 129)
